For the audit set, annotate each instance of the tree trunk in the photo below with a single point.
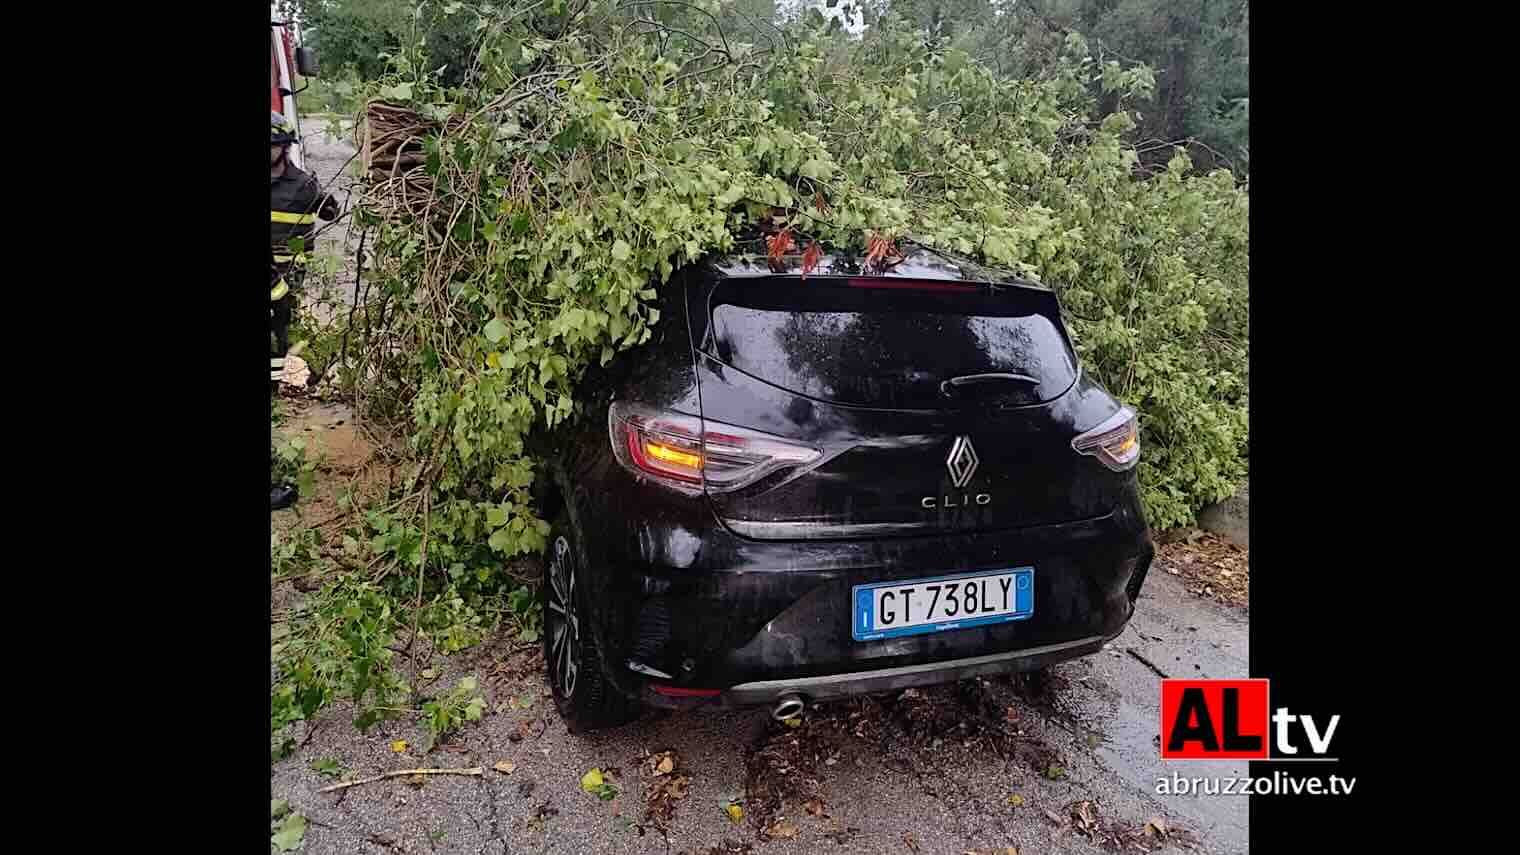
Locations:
(1182, 33)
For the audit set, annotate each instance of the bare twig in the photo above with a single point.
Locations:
(401, 773)
(427, 516)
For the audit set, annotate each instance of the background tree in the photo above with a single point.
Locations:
(1199, 50)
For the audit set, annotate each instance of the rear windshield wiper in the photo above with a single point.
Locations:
(966, 381)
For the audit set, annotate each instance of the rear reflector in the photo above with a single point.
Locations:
(678, 692)
(912, 285)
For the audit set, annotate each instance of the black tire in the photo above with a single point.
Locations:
(573, 665)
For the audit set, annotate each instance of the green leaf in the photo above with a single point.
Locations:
(291, 834)
(496, 516)
(730, 196)
(327, 766)
(496, 331)
(278, 808)
(621, 250)
(817, 169)
(501, 540)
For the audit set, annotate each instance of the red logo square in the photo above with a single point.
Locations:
(1214, 720)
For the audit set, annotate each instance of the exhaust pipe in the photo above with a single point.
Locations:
(788, 706)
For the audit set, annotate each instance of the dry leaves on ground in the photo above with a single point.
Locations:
(666, 789)
(1084, 818)
(1211, 566)
(782, 829)
(783, 771)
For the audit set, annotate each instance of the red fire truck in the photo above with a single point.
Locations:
(287, 59)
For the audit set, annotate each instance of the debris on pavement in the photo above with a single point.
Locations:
(1083, 818)
(783, 769)
(594, 783)
(1211, 567)
(665, 790)
(416, 773)
(782, 829)
(296, 371)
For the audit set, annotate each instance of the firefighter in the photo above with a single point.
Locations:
(295, 202)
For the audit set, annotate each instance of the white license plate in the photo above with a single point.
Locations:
(915, 606)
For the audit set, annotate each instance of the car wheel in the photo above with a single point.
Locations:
(573, 664)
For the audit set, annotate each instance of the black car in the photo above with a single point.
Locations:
(858, 480)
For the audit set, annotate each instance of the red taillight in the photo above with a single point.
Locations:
(684, 453)
(913, 285)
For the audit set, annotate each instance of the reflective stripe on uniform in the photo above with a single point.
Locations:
(297, 219)
(281, 259)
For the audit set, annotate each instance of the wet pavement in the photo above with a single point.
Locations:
(883, 775)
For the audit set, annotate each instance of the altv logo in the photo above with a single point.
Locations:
(1233, 720)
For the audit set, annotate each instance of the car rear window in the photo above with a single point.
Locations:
(892, 346)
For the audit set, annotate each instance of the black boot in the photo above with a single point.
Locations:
(282, 496)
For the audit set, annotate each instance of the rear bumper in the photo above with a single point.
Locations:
(893, 679)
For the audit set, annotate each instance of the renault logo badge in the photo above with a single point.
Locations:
(962, 461)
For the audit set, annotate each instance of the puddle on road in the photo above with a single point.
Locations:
(332, 432)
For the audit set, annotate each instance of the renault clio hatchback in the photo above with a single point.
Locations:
(853, 481)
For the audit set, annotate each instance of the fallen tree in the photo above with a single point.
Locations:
(521, 224)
